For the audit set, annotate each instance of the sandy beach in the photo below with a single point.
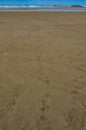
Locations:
(42, 71)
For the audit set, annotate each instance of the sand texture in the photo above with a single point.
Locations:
(42, 71)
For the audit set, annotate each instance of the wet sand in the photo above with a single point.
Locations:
(42, 71)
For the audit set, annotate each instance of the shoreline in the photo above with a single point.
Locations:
(45, 9)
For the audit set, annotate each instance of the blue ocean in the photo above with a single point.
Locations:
(37, 3)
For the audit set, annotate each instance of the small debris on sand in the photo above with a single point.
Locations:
(3, 53)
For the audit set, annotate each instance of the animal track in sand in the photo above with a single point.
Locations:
(74, 121)
(42, 117)
(42, 123)
(17, 92)
(43, 108)
(46, 81)
(44, 104)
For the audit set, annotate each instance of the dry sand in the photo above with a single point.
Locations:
(42, 71)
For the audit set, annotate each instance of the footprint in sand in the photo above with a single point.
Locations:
(75, 119)
(75, 92)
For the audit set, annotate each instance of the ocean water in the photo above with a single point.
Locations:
(39, 3)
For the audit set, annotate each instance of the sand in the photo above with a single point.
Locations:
(42, 71)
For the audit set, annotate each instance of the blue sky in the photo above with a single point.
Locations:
(44, 2)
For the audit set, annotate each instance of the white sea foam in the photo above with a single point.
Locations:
(19, 6)
(26, 6)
